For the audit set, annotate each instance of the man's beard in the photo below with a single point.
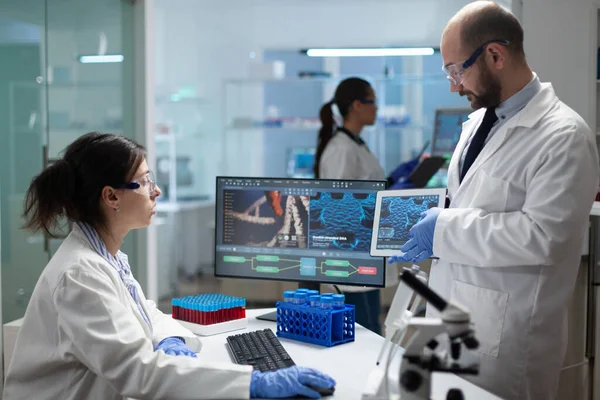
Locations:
(490, 97)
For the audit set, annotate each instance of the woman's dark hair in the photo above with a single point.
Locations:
(71, 187)
(347, 92)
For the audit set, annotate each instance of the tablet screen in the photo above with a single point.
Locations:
(398, 212)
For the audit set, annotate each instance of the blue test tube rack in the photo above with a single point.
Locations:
(325, 327)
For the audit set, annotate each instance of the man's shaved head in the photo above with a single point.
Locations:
(482, 21)
(491, 39)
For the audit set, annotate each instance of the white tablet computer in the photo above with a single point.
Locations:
(396, 211)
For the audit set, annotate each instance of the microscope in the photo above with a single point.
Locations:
(423, 354)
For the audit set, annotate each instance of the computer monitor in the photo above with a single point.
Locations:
(447, 129)
(305, 230)
(300, 162)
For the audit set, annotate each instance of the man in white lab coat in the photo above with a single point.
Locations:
(520, 187)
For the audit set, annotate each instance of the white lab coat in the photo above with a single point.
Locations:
(83, 337)
(343, 158)
(509, 245)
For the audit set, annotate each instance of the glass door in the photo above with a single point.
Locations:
(89, 87)
(22, 136)
(66, 69)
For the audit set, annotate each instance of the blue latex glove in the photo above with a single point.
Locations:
(403, 170)
(420, 245)
(175, 346)
(288, 382)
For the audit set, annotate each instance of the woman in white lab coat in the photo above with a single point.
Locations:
(342, 154)
(88, 331)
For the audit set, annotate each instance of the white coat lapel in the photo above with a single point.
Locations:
(492, 146)
(527, 117)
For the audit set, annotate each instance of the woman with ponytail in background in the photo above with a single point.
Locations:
(88, 331)
(342, 154)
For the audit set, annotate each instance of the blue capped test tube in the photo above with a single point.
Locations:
(338, 300)
(315, 300)
(326, 302)
(300, 298)
(288, 296)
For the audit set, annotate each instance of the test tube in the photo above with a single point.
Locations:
(213, 313)
(300, 298)
(326, 302)
(327, 294)
(288, 296)
(199, 307)
(186, 306)
(209, 308)
(195, 311)
(174, 306)
(314, 301)
(313, 293)
(220, 309)
(338, 300)
(301, 290)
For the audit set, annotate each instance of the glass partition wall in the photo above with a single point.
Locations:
(235, 95)
(66, 69)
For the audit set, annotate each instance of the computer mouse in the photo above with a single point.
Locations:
(323, 391)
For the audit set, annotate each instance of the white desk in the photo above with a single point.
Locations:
(349, 364)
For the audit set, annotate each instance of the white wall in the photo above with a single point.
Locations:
(560, 46)
(293, 24)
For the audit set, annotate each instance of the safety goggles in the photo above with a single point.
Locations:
(368, 101)
(455, 73)
(145, 186)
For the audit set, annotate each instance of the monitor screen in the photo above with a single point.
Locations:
(297, 230)
(447, 130)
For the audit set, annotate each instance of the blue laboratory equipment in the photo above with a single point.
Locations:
(300, 298)
(338, 300)
(288, 296)
(326, 302)
(315, 300)
(324, 325)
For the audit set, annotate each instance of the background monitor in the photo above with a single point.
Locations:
(300, 162)
(303, 230)
(447, 129)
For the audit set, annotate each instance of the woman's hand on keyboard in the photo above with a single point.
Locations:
(289, 382)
